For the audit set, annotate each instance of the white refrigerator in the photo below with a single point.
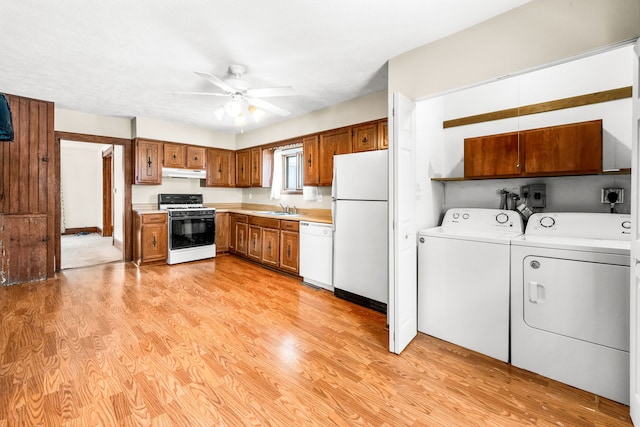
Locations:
(360, 228)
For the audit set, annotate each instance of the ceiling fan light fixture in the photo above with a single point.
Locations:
(240, 120)
(233, 107)
(256, 113)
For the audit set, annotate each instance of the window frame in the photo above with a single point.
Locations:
(297, 153)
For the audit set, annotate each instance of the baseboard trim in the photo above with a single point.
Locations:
(117, 243)
(80, 230)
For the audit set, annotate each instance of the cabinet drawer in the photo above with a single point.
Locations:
(264, 222)
(241, 218)
(154, 218)
(289, 225)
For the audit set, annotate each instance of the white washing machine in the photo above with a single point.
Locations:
(463, 279)
(570, 291)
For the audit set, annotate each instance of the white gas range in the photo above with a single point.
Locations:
(192, 227)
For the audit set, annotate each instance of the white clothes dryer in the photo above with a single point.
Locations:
(463, 279)
(570, 288)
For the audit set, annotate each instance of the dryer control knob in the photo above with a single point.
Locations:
(456, 215)
(626, 224)
(502, 218)
(422, 240)
(547, 222)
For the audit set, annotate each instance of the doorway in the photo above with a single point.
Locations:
(91, 205)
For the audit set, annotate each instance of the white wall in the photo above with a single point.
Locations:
(142, 127)
(81, 184)
(608, 70)
(359, 110)
(539, 32)
(91, 124)
(148, 194)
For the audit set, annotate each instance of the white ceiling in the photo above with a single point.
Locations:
(120, 57)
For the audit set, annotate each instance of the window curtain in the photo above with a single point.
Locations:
(276, 182)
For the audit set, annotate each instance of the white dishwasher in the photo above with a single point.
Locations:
(316, 254)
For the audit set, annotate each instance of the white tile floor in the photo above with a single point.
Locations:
(82, 250)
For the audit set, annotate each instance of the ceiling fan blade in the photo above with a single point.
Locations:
(216, 81)
(267, 106)
(198, 93)
(272, 91)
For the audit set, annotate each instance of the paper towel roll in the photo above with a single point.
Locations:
(309, 193)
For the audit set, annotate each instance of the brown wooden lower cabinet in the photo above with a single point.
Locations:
(223, 232)
(151, 237)
(289, 249)
(268, 241)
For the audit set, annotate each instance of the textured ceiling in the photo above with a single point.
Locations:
(121, 57)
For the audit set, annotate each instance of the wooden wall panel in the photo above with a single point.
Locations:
(27, 189)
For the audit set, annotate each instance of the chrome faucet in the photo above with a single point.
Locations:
(284, 207)
(295, 210)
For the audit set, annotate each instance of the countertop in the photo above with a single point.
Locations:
(313, 215)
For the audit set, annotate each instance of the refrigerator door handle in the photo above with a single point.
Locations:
(334, 183)
(334, 207)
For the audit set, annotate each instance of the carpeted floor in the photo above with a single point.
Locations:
(81, 250)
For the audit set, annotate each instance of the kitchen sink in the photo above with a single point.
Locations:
(280, 213)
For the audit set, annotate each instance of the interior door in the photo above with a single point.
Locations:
(403, 281)
(635, 246)
(107, 194)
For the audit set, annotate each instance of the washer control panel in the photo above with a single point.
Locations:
(476, 219)
(580, 224)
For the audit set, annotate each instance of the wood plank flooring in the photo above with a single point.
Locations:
(225, 342)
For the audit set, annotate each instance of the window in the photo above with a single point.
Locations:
(292, 170)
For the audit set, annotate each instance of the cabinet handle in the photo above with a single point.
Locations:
(309, 161)
(195, 158)
(518, 165)
(149, 162)
(220, 168)
(288, 251)
(364, 140)
(174, 156)
(269, 247)
(155, 242)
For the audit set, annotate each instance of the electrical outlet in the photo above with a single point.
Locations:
(604, 196)
(538, 195)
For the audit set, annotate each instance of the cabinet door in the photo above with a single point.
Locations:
(255, 242)
(241, 240)
(154, 242)
(220, 167)
(196, 157)
(148, 161)
(222, 232)
(270, 246)
(173, 155)
(364, 138)
(289, 251)
(256, 167)
(567, 149)
(243, 168)
(492, 156)
(232, 233)
(383, 135)
(311, 160)
(331, 144)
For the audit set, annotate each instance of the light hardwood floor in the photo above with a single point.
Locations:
(225, 342)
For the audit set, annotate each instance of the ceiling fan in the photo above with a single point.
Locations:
(240, 94)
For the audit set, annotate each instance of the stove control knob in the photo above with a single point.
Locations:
(626, 224)
(547, 222)
(501, 218)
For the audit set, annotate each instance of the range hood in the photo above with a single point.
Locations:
(184, 173)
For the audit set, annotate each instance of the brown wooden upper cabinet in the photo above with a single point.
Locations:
(220, 168)
(261, 167)
(570, 149)
(383, 135)
(364, 138)
(311, 167)
(196, 157)
(243, 168)
(173, 155)
(148, 162)
(330, 144)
